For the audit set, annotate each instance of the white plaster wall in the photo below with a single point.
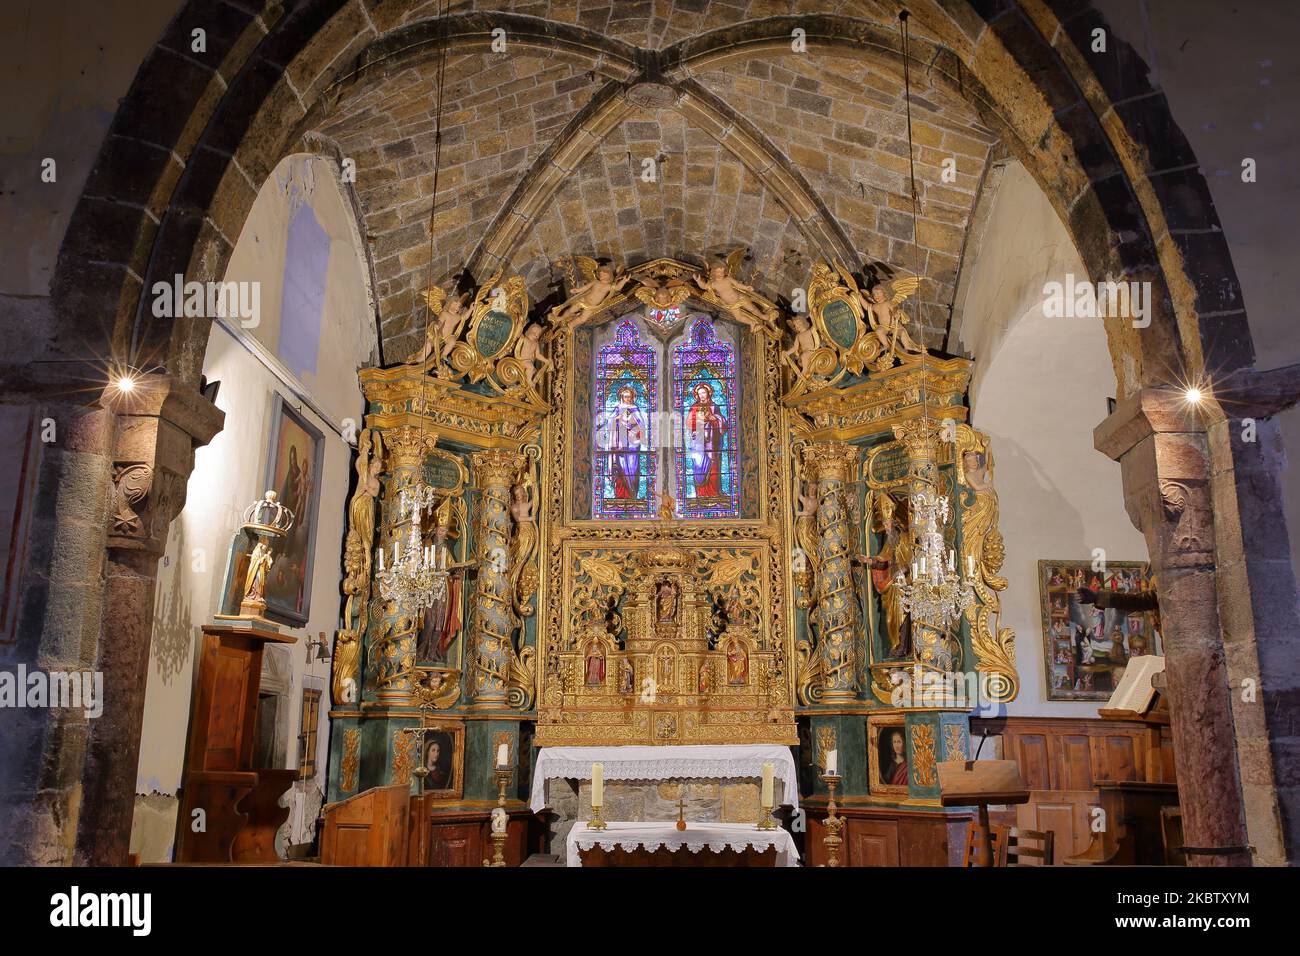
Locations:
(1039, 388)
(229, 474)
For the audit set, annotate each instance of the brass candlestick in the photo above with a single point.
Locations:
(767, 823)
(596, 823)
(500, 821)
(833, 824)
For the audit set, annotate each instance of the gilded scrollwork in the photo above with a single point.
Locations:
(923, 758)
(983, 550)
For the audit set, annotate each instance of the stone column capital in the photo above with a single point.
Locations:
(1150, 411)
(160, 422)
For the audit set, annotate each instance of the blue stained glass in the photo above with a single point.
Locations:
(626, 396)
(704, 395)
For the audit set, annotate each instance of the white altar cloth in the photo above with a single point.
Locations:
(665, 763)
(697, 837)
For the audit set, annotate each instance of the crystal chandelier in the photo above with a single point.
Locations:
(937, 595)
(413, 578)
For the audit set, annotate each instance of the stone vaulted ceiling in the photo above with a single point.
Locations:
(797, 156)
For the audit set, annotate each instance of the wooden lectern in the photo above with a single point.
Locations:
(239, 802)
(978, 783)
(1138, 815)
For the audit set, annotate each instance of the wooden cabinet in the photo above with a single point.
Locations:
(887, 836)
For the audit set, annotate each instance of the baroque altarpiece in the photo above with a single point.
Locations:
(665, 512)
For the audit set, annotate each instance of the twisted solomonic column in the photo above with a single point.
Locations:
(837, 612)
(493, 656)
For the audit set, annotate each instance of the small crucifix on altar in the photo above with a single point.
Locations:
(681, 807)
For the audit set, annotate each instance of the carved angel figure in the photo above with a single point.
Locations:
(443, 333)
(602, 282)
(745, 305)
(886, 319)
(661, 293)
(804, 345)
(529, 352)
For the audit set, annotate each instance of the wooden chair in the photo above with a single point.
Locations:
(1028, 847)
(975, 839)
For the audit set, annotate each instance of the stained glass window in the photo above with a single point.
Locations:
(625, 400)
(704, 395)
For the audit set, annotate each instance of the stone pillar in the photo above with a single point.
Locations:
(1162, 448)
(839, 626)
(158, 425)
(391, 639)
(491, 649)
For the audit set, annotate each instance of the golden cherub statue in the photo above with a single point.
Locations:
(603, 282)
(443, 333)
(661, 294)
(804, 345)
(528, 350)
(886, 320)
(745, 305)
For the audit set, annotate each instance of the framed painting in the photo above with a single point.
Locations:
(293, 471)
(887, 756)
(443, 759)
(1085, 648)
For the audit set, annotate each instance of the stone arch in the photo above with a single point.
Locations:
(192, 141)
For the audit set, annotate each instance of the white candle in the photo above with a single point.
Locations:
(922, 565)
(380, 552)
(832, 762)
(503, 755)
(970, 565)
(913, 570)
(598, 785)
(952, 560)
(395, 559)
(767, 785)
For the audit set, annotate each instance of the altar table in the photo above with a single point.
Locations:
(697, 838)
(679, 762)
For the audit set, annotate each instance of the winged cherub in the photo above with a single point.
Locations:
(745, 305)
(444, 331)
(887, 320)
(602, 282)
(804, 345)
(661, 294)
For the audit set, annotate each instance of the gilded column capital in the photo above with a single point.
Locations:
(496, 467)
(921, 437)
(407, 445)
(830, 461)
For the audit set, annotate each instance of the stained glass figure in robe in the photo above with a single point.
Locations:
(625, 398)
(704, 392)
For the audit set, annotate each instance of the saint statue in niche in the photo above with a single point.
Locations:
(442, 618)
(705, 427)
(595, 666)
(666, 601)
(625, 435)
(737, 664)
(893, 757)
(894, 555)
(626, 678)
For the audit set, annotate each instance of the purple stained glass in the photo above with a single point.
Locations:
(626, 396)
(704, 395)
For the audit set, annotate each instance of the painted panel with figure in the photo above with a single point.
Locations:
(293, 472)
(1086, 648)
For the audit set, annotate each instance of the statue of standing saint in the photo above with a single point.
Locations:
(259, 563)
(895, 554)
(442, 618)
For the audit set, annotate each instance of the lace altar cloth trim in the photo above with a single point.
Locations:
(665, 763)
(696, 838)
